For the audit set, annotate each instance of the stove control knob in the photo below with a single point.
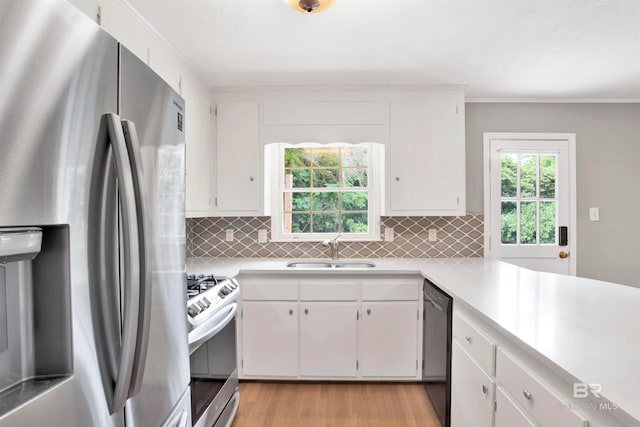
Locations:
(206, 301)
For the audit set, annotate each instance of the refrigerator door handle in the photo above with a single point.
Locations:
(130, 247)
(144, 317)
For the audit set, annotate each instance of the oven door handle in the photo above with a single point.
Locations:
(211, 327)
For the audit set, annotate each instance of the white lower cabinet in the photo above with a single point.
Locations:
(389, 339)
(507, 412)
(472, 391)
(337, 327)
(270, 338)
(328, 338)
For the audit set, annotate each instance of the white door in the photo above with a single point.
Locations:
(530, 209)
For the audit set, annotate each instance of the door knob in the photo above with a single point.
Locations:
(563, 254)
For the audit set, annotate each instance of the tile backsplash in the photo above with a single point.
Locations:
(456, 237)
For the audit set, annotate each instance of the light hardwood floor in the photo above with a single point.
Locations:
(287, 404)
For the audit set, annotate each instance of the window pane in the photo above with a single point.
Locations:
(355, 223)
(297, 202)
(508, 223)
(354, 156)
(354, 177)
(325, 201)
(548, 223)
(357, 201)
(325, 223)
(324, 157)
(297, 178)
(548, 177)
(300, 223)
(297, 157)
(325, 178)
(528, 221)
(528, 168)
(508, 175)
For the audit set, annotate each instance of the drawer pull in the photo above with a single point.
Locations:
(527, 394)
(485, 390)
(468, 338)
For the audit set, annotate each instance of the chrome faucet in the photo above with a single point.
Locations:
(333, 245)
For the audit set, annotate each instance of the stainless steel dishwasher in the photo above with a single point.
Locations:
(436, 367)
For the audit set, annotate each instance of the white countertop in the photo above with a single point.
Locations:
(589, 329)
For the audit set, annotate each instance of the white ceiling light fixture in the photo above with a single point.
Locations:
(310, 6)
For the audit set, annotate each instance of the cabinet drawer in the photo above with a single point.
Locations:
(274, 291)
(328, 291)
(475, 342)
(508, 414)
(400, 290)
(543, 404)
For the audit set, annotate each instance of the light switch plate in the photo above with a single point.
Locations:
(433, 234)
(594, 214)
(262, 235)
(228, 235)
(388, 234)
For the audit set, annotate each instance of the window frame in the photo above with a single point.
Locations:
(375, 178)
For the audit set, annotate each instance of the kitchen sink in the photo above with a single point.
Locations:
(322, 264)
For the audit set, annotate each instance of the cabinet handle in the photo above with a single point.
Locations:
(485, 390)
(368, 311)
(397, 178)
(251, 178)
(468, 338)
(306, 311)
(290, 312)
(527, 394)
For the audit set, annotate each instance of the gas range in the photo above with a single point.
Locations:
(207, 295)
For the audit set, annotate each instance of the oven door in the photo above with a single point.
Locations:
(214, 375)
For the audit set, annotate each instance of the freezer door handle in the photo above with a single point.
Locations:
(131, 258)
(141, 203)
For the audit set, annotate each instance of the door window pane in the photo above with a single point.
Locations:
(528, 172)
(548, 177)
(508, 175)
(509, 223)
(548, 223)
(528, 222)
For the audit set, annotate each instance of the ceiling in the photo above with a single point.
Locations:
(497, 48)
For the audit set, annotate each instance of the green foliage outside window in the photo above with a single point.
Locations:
(537, 175)
(343, 171)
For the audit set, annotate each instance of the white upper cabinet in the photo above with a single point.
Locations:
(199, 152)
(238, 172)
(426, 156)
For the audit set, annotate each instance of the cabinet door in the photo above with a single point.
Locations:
(237, 168)
(328, 334)
(472, 391)
(199, 152)
(389, 339)
(270, 338)
(508, 414)
(426, 157)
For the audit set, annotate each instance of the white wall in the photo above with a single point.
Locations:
(120, 20)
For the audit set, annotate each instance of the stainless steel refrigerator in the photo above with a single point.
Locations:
(93, 322)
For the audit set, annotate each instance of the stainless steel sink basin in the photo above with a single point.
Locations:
(309, 264)
(354, 265)
(322, 264)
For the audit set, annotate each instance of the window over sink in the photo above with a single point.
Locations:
(321, 190)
